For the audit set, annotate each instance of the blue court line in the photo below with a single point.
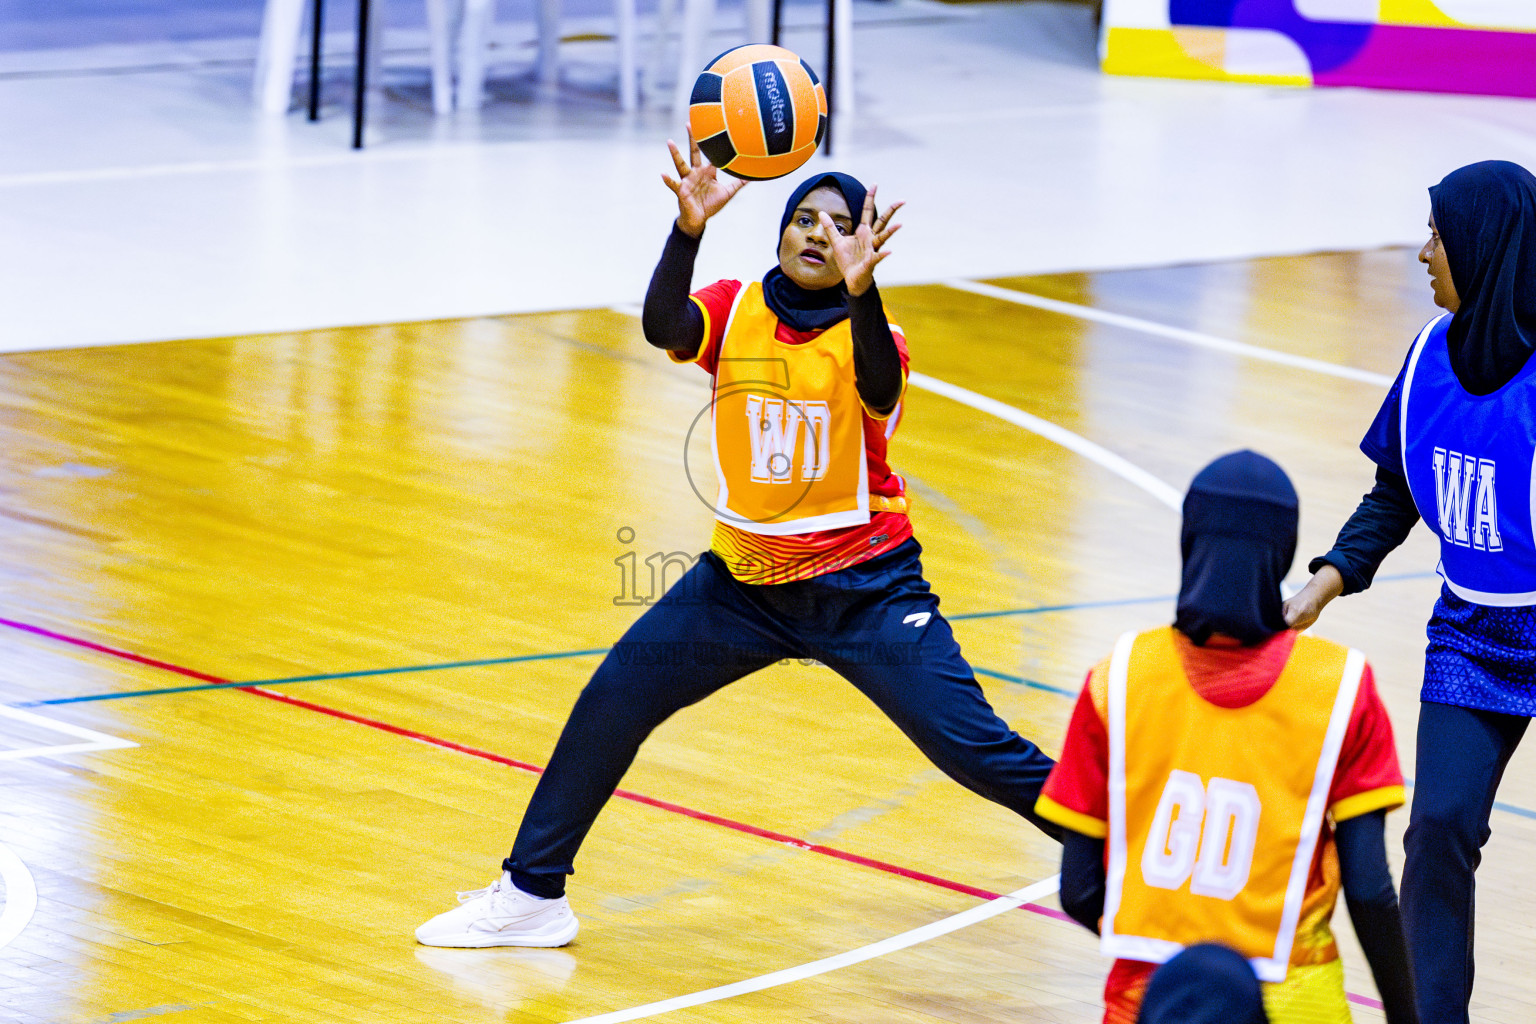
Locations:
(1020, 680)
(319, 678)
(1497, 805)
(322, 677)
(1079, 606)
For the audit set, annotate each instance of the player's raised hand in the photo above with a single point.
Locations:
(857, 253)
(701, 191)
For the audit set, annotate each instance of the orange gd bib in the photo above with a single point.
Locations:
(1215, 813)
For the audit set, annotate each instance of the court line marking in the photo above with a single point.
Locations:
(650, 801)
(1096, 453)
(90, 738)
(625, 794)
(884, 947)
(20, 895)
(1196, 338)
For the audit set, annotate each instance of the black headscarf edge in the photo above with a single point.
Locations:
(1486, 216)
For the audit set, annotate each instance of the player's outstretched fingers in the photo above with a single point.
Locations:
(677, 160)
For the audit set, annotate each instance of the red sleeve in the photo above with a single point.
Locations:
(1368, 777)
(1076, 795)
(714, 301)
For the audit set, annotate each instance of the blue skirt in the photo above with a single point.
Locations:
(1481, 656)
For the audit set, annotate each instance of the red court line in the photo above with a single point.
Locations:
(639, 798)
(665, 805)
(115, 652)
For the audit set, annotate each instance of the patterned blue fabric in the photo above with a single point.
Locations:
(1481, 657)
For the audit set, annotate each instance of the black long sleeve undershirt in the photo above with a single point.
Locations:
(674, 323)
(1372, 902)
(1381, 522)
(1082, 879)
(1365, 879)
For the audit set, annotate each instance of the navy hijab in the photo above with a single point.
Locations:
(1239, 539)
(1486, 216)
(811, 309)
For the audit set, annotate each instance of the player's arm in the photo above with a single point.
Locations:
(670, 320)
(1372, 902)
(877, 370)
(1083, 879)
(1076, 797)
(1381, 522)
(1366, 785)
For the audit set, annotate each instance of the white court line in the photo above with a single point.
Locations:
(1095, 453)
(965, 919)
(1051, 432)
(93, 740)
(1196, 338)
(20, 895)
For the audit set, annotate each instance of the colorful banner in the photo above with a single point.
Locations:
(1466, 46)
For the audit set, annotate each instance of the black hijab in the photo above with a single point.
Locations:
(1486, 216)
(1239, 540)
(1205, 984)
(811, 309)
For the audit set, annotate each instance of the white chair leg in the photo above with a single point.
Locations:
(697, 18)
(665, 9)
(439, 34)
(759, 21)
(474, 36)
(376, 46)
(842, 18)
(624, 18)
(549, 42)
(277, 54)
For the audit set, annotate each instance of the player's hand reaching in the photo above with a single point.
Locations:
(857, 253)
(1303, 609)
(701, 191)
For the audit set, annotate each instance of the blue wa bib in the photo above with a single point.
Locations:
(1469, 460)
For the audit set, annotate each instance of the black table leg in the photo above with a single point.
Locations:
(314, 59)
(360, 82)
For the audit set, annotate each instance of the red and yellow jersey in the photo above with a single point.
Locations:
(803, 485)
(1277, 739)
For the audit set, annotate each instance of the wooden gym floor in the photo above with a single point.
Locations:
(416, 539)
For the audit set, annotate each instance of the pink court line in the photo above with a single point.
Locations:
(639, 798)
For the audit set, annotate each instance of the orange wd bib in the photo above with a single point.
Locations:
(788, 427)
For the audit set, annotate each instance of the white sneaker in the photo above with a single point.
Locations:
(501, 914)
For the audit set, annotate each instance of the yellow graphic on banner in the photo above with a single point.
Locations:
(1181, 52)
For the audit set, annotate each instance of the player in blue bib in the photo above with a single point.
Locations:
(1455, 445)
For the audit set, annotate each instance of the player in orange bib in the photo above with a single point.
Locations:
(1222, 778)
(812, 555)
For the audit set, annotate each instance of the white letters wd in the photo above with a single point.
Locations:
(1169, 854)
(818, 448)
(773, 431)
(1454, 476)
(774, 428)
(1485, 515)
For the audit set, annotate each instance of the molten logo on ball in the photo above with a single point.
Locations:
(758, 111)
